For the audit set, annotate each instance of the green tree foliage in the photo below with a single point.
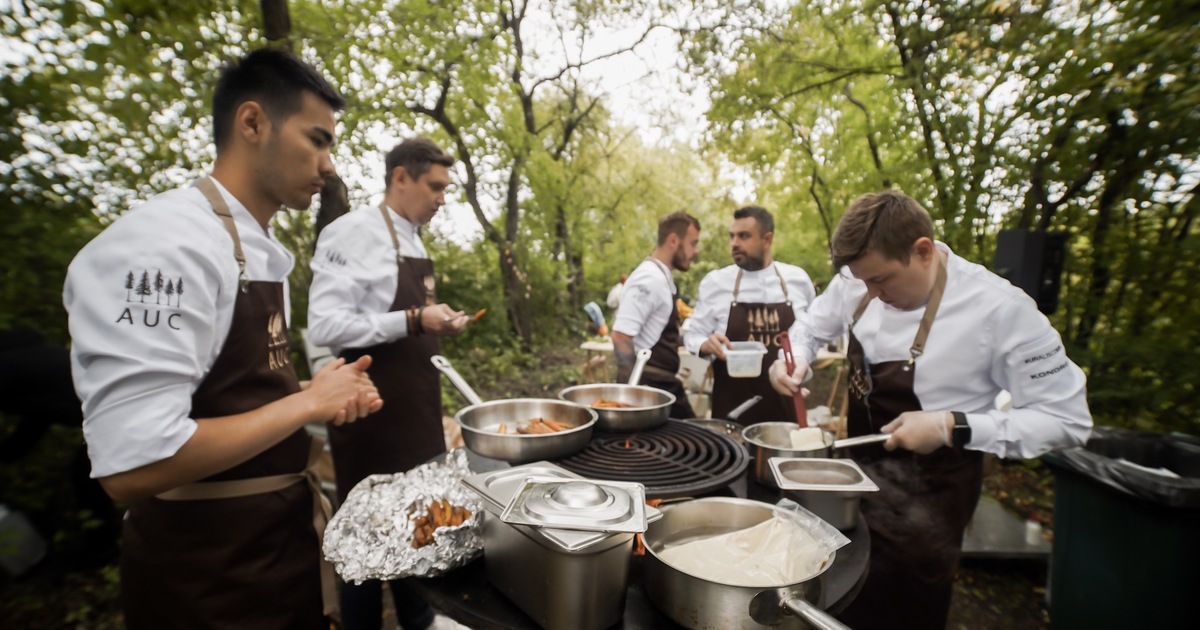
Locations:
(1064, 116)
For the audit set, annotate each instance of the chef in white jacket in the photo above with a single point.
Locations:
(933, 339)
(193, 414)
(754, 299)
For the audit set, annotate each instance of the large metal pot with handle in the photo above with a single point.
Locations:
(704, 604)
(480, 423)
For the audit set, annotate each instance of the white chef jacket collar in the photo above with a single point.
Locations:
(241, 215)
(665, 268)
(403, 224)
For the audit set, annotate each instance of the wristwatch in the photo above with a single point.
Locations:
(961, 434)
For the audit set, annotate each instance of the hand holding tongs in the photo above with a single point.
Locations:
(798, 397)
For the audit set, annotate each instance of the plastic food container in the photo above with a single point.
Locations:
(744, 359)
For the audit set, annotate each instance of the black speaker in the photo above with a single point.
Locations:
(1033, 261)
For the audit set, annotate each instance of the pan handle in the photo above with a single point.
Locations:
(443, 364)
(742, 408)
(862, 439)
(815, 617)
(643, 356)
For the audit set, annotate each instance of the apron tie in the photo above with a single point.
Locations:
(322, 510)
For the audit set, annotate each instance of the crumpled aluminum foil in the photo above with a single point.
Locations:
(370, 536)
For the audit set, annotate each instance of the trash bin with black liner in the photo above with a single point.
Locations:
(1126, 531)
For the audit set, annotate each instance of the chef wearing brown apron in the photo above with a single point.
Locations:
(266, 514)
(925, 501)
(754, 299)
(930, 333)
(359, 258)
(762, 322)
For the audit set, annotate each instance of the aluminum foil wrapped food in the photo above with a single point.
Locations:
(371, 535)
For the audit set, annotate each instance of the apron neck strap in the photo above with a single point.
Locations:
(391, 226)
(931, 308)
(210, 192)
(737, 284)
(665, 273)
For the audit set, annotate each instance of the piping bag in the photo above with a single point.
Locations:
(798, 397)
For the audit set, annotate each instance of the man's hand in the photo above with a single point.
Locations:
(919, 431)
(442, 321)
(343, 392)
(715, 346)
(784, 383)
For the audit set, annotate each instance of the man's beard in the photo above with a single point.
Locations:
(751, 263)
(679, 261)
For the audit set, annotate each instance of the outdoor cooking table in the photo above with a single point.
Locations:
(466, 596)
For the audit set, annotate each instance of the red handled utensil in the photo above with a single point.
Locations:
(790, 361)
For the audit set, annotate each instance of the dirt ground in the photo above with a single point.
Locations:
(64, 593)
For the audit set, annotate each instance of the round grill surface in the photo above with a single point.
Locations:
(676, 459)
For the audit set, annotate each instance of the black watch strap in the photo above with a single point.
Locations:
(961, 434)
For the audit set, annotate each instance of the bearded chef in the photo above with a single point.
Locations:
(192, 411)
(648, 316)
(373, 292)
(933, 339)
(754, 299)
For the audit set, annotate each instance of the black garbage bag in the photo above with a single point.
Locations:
(1137, 463)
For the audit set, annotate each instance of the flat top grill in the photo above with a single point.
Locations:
(674, 460)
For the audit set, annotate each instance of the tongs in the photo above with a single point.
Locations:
(798, 398)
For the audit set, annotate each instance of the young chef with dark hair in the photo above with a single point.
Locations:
(192, 410)
(933, 340)
(373, 292)
(754, 299)
(648, 317)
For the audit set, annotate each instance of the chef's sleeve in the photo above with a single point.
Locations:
(1049, 392)
(343, 275)
(138, 349)
(827, 316)
(638, 300)
(704, 320)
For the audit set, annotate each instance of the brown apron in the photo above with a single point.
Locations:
(924, 501)
(408, 430)
(663, 365)
(240, 549)
(762, 322)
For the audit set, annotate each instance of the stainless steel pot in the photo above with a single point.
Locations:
(480, 420)
(703, 604)
(563, 579)
(773, 439)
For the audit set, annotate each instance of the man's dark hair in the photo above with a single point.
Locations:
(888, 222)
(676, 223)
(766, 222)
(275, 79)
(416, 155)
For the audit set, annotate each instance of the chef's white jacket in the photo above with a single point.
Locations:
(354, 280)
(988, 336)
(139, 350)
(716, 294)
(646, 302)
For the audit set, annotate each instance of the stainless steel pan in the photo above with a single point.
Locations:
(650, 407)
(479, 423)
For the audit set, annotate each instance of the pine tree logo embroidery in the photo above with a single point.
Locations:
(167, 292)
(162, 288)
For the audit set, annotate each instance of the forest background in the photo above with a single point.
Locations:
(1078, 117)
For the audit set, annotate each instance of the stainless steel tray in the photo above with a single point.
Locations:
(811, 473)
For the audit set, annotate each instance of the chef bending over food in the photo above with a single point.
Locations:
(933, 338)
